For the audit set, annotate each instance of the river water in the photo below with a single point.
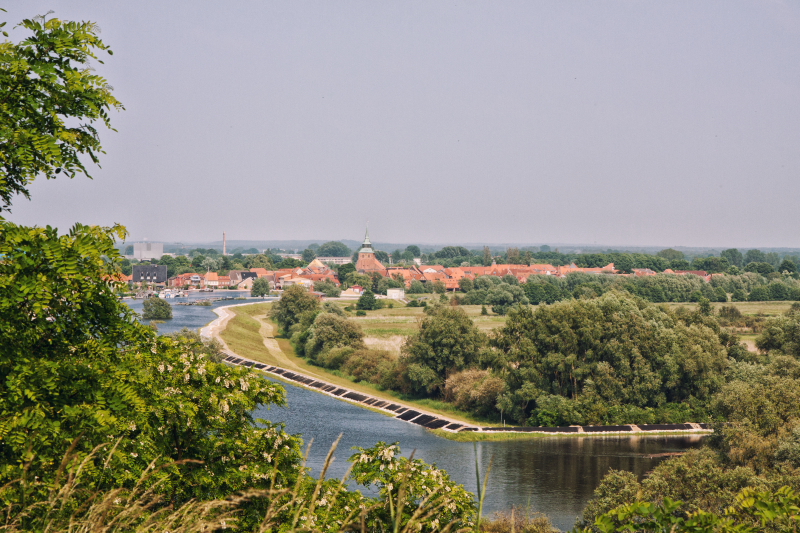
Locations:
(552, 475)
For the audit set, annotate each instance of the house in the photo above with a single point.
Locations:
(190, 279)
(336, 260)
(149, 274)
(224, 282)
(307, 283)
(245, 284)
(237, 276)
(212, 280)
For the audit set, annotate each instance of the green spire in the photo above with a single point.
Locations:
(366, 247)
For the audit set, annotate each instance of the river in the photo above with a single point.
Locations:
(552, 475)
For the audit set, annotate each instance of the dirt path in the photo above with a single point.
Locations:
(267, 333)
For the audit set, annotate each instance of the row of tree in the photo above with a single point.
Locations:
(611, 359)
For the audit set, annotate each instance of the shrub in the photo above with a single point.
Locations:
(332, 331)
(157, 309)
(367, 301)
(368, 365)
(293, 303)
(474, 390)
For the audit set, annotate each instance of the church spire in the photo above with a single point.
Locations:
(366, 246)
(366, 237)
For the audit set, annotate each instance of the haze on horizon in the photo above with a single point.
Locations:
(618, 123)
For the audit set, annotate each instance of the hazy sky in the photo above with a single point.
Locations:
(619, 123)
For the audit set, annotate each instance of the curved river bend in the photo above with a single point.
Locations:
(552, 475)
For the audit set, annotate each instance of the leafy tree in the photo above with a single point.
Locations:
(80, 372)
(711, 264)
(156, 309)
(781, 334)
(308, 255)
(670, 254)
(367, 301)
(414, 249)
(487, 256)
(447, 342)
(343, 270)
(288, 262)
(333, 249)
(259, 261)
(260, 287)
(49, 101)
(329, 331)
(362, 280)
(438, 287)
(293, 303)
(754, 256)
(788, 266)
(466, 284)
(381, 256)
(503, 296)
(328, 288)
(416, 287)
(734, 256)
(612, 350)
(680, 264)
(211, 264)
(762, 268)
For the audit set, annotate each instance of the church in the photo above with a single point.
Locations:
(367, 262)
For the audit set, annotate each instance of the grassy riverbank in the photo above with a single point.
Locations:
(251, 334)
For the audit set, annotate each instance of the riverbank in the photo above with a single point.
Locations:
(255, 346)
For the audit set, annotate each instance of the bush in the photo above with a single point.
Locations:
(332, 331)
(369, 365)
(328, 288)
(367, 301)
(293, 303)
(474, 390)
(157, 309)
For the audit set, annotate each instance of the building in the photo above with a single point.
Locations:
(145, 251)
(336, 260)
(149, 274)
(367, 262)
(237, 276)
(395, 294)
(212, 280)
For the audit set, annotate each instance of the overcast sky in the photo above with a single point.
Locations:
(618, 123)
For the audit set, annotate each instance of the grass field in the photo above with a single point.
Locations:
(747, 308)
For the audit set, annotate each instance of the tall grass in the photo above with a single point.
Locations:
(71, 507)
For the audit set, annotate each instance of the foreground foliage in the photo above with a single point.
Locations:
(49, 100)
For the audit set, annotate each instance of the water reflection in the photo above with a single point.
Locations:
(553, 475)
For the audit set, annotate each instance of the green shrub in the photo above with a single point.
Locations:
(156, 309)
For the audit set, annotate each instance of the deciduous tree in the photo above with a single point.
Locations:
(50, 101)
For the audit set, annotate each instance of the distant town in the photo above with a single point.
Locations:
(333, 267)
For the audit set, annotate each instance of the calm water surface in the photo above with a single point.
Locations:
(194, 316)
(552, 475)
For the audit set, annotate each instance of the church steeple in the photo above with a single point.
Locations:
(366, 246)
